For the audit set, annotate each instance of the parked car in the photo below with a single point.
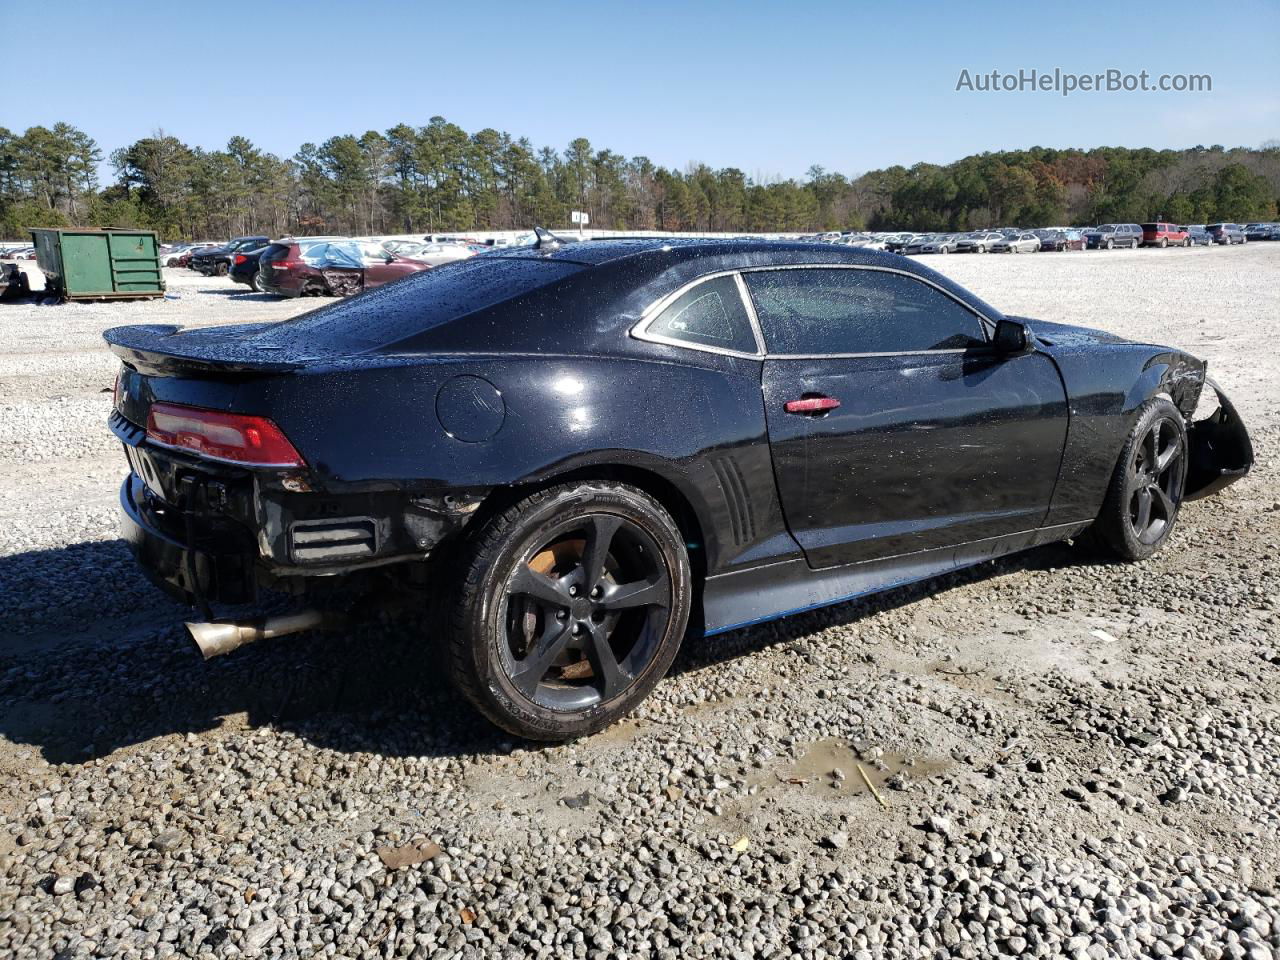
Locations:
(1060, 240)
(1260, 231)
(1108, 236)
(438, 254)
(895, 244)
(170, 255)
(569, 543)
(244, 266)
(1226, 233)
(941, 243)
(978, 242)
(1164, 235)
(405, 248)
(183, 258)
(333, 268)
(216, 262)
(1022, 243)
(917, 243)
(1198, 236)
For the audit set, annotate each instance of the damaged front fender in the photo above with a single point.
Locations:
(1220, 451)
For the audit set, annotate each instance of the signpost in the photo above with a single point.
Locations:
(581, 218)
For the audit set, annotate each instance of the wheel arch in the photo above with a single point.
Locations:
(676, 497)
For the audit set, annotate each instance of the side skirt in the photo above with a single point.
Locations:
(746, 597)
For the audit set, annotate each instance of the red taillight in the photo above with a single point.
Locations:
(284, 264)
(241, 258)
(233, 437)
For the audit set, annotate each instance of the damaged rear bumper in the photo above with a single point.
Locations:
(1220, 449)
(187, 572)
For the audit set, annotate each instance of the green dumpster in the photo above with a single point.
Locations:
(91, 264)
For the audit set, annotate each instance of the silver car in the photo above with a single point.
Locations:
(437, 254)
(979, 242)
(918, 243)
(1022, 243)
(942, 243)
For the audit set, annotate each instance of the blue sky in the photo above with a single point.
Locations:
(768, 87)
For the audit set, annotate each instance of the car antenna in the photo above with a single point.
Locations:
(545, 238)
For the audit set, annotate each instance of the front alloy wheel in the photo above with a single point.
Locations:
(571, 606)
(1145, 493)
(1155, 481)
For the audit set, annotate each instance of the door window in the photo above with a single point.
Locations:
(827, 311)
(710, 314)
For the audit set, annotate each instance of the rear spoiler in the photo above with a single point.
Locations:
(155, 349)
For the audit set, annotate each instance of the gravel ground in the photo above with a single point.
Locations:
(1072, 758)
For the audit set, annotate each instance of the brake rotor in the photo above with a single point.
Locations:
(555, 560)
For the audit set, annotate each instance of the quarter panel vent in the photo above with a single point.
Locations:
(742, 521)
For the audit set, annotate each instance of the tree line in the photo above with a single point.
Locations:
(439, 178)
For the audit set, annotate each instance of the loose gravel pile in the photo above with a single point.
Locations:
(1050, 755)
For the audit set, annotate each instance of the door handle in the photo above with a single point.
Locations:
(811, 406)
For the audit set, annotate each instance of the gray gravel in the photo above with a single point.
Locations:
(1072, 758)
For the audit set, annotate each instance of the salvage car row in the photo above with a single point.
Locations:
(316, 266)
(1107, 236)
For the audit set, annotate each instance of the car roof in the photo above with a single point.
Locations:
(669, 250)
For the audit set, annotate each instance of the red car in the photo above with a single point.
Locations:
(330, 268)
(1164, 235)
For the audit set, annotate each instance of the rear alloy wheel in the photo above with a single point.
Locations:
(255, 282)
(1145, 494)
(573, 604)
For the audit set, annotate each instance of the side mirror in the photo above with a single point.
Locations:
(1011, 338)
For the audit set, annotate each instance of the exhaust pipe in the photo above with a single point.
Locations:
(216, 637)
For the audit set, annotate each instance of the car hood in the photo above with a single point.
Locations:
(1066, 334)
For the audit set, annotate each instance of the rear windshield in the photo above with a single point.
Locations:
(417, 303)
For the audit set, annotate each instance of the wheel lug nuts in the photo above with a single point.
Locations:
(573, 591)
(562, 614)
(597, 593)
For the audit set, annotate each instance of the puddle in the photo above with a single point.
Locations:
(831, 767)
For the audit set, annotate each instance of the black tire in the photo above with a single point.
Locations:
(255, 282)
(1111, 244)
(1145, 493)
(598, 648)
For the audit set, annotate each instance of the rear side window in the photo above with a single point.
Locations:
(825, 311)
(709, 315)
(420, 302)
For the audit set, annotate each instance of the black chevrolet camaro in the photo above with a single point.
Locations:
(576, 454)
